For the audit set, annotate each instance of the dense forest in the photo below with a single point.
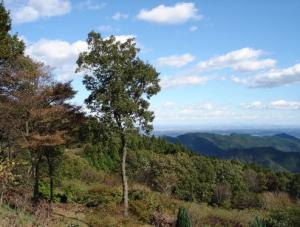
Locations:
(280, 151)
(62, 167)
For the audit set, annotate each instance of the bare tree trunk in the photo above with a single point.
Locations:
(50, 172)
(36, 182)
(36, 168)
(124, 177)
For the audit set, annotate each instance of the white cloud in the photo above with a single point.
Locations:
(283, 104)
(175, 81)
(193, 112)
(58, 54)
(211, 113)
(119, 16)
(61, 55)
(175, 60)
(242, 60)
(253, 105)
(177, 14)
(193, 28)
(35, 9)
(91, 5)
(124, 38)
(277, 104)
(272, 78)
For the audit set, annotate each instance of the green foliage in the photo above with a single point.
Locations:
(157, 145)
(183, 219)
(145, 208)
(103, 157)
(245, 199)
(10, 46)
(187, 176)
(289, 217)
(120, 83)
(295, 186)
(281, 152)
(258, 222)
(101, 195)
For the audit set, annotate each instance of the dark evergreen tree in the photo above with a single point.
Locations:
(183, 219)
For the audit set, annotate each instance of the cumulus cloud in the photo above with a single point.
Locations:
(58, 54)
(209, 112)
(124, 38)
(242, 60)
(177, 14)
(272, 78)
(176, 81)
(192, 112)
(61, 55)
(253, 105)
(35, 9)
(175, 60)
(277, 104)
(283, 104)
(119, 16)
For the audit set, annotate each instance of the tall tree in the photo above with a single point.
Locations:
(46, 117)
(11, 51)
(33, 108)
(121, 85)
(37, 111)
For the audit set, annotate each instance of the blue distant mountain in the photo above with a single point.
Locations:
(280, 151)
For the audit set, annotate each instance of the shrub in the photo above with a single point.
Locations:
(103, 195)
(258, 222)
(141, 210)
(245, 200)
(74, 190)
(222, 195)
(183, 219)
(285, 218)
(275, 200)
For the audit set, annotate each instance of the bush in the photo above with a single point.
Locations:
(245, 200)
(183, 219)
(222, 195)
(258, 222)
(285, 218)
(101, 195)
(140, 209)
(275, 200)
(75, 191)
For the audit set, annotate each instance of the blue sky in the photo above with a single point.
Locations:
(222, 63)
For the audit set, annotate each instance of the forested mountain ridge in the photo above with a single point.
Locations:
(280, 151)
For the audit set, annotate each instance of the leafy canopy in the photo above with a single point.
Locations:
(10, 45)
(121, 84)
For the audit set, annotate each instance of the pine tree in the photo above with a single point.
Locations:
(183, 219)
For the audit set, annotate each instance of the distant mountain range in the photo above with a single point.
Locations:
(280, 151)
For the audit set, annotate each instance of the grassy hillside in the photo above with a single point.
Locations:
(160, 183)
